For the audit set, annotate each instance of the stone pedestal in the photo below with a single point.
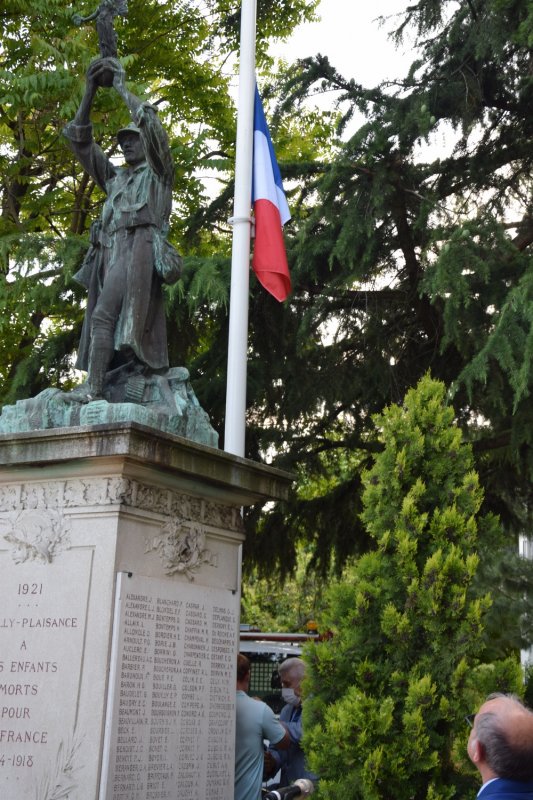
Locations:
(119, 610)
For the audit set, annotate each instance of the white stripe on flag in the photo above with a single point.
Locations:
(264, 186)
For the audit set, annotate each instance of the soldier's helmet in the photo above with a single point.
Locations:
(131, 128)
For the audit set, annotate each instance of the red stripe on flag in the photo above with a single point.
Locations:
(269, 261)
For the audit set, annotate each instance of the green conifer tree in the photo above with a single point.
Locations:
(387, 694)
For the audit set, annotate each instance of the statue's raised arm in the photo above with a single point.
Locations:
(145, 118)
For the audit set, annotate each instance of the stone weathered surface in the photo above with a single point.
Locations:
(72, 452)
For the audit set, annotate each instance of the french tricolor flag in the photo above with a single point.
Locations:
(271, 211)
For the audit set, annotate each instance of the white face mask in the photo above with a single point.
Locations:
(290, 697)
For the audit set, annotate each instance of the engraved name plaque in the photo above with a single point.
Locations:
(43, 610)
(170, 728)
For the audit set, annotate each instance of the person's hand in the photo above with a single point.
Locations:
(101, 72)
(92, 75)
(270, 766)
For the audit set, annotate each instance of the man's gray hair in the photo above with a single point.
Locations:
(507, 759)
(292, 666)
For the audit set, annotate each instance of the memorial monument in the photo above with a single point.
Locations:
(119, 611)
(120, 523)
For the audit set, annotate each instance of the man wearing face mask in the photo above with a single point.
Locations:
(291, 761)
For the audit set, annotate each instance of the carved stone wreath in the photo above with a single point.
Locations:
(35, 535)
(181, 546)
(61, 780)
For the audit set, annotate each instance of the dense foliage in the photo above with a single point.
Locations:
(411, 251)
(388, 692)
(270, 604)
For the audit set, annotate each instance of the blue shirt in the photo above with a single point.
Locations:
(292, 761)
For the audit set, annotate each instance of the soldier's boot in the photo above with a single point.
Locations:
(100, 355)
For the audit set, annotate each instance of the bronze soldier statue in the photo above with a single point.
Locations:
(123, 345)
(129, 257)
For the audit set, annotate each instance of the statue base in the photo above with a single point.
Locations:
(163, 401)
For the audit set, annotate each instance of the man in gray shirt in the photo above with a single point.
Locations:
(255, 721)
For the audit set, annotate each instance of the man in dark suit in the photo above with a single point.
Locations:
(501, 747)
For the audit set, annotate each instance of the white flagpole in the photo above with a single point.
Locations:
(240, 256)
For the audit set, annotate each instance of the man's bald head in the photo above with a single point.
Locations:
(501, 741)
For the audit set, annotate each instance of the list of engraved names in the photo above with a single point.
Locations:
(173, 701)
